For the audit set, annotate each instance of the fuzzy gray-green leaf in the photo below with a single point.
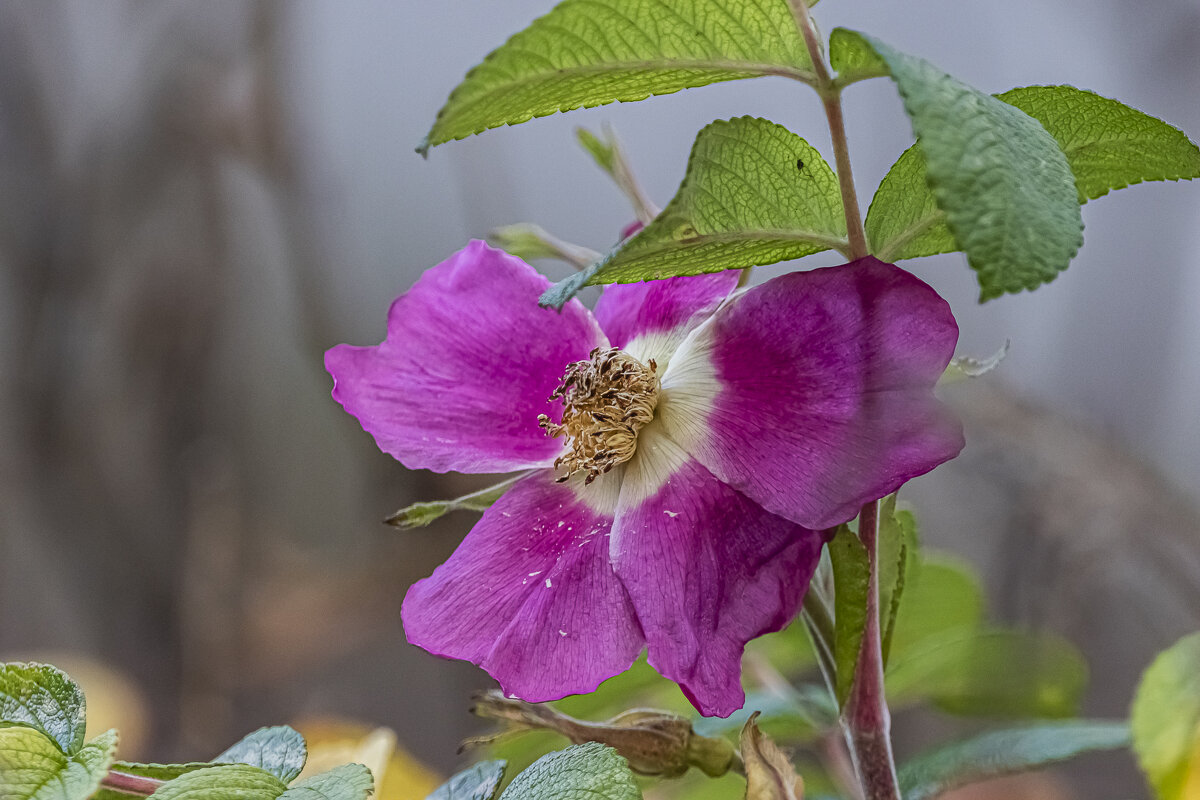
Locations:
(1108, 146)
(588, 53)
(279, 750)
(223, 782)
(44, 698)
(1003, 183)
(1004, 752)
(478, 782)
(345, 782)
(588, 771)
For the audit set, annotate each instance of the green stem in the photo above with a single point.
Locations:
(831, 99)
(865, 718)
(127, 783)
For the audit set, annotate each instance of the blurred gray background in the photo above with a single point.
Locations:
(198, 197)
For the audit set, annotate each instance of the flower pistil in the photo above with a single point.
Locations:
(606, 400)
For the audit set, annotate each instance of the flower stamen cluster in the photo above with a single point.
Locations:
(606, 401)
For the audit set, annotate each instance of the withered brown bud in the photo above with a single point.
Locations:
(653, 742)
(769, 773)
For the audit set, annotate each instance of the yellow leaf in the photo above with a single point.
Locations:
(398, 776)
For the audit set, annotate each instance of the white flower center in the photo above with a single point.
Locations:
(606, 401)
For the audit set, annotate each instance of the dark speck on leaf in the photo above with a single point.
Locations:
(799, 164)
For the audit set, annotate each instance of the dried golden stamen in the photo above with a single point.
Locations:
(606, 401)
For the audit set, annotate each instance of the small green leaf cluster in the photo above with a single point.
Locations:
(43, 755)
(1000, 178)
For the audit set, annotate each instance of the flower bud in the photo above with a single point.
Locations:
(653, 742)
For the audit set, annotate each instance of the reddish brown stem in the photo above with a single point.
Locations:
(127, 783)
(866, 718)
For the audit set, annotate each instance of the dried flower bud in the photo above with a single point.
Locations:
(769, 773)
(653, 742)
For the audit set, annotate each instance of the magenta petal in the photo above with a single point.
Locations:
(675, 305)
(469, 362)
(708, 570)
(819, 392)
(530, 596)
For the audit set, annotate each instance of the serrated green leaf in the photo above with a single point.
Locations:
(347, 782)
(279, 750)
(898, 561)
(588, 53)
(851, 581)
(853, 58)
(32, 767)
(1108, 146)
(904, 220)
(754, 193)
(223, 782)
(587, 771)
(478, 782)
(418, 515)
(44, 698)
(1004, 752)
(1166, 721)
(971, 672)
(1002, 181)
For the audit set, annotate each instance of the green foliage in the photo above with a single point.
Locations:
(279, 750)
(43, 756)
(478, 782)
(799, 714)
(588, 53)
(971, 671)
(44, 698)
(34, 766)
(345, 782)
(904, 220)
(897, 559)
(1166, 721)
(853, 58)
(1108, 146)
(158, 772)
(942, 594)
(1006, 751)
(1004, 185)
(588, 771)
(851, 580)
(754, 193)
(223, 782)
(604, 153)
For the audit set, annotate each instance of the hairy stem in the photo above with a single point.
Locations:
(865, 718)
(831, 99)
(127, 783)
